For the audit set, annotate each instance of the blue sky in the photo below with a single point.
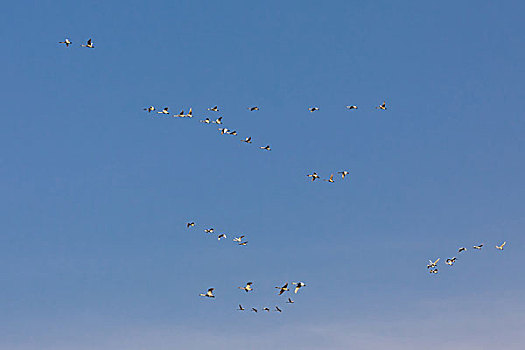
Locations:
(94, 249)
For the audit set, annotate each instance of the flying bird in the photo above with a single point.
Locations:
(432, 264)
(501, 246)
(351, 107)
(313, 109)
(180, 115)
(247, 140)
(478, 247)
(382, 106)
(331, 179)
(255, 108)
(207, 121)
(298, 285)
(290, 301)
(218, 120)
(277, 309)
(208, 294)
(164, 111)
(190, 114)
(215, 109)
(254, 309)
(248, 287)
(66, 42)
(267, 147)
(343, 173)
(238, 239)
(266, 309)
(89, 44)
(243, 243)
(283, 288)
(209, 230)
(462, 249)
(240, 308)
(190, 224)
(223, 131)
(222, 235)
(234, 133)
(149, 109)
(450, 262)
(434, 271)
(313, 176)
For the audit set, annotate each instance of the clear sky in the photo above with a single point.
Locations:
(94, 253)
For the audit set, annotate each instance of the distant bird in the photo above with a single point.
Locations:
(255, 108)
(247, 140)
(432, 264)
(283, 288)
(209, 230)
(434, 271)
(181, 114)
(218, 120)
(382, 106)
(190, 114)
(478, 247)
(208, 294)
(290, 301)
(243, 243)
(298, 285)
(343, 173)
(351, 107)
(462, 249)
(234, 133)
(313, 109)
(207, 121)
(164, 111)
(254, 309)
(314, 176)
(267, 147)
(149, 109)
(450, 262)
(331, 179)
(190, 224)
(89, 44)
(223, 131)
(215, 109)
(501, 246)
(240, 308)
(66, 42)
(277, 309)
(266, 309)
(248, 287)
(238, 239)
(222, 235)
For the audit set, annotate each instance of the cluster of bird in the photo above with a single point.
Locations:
(67, 42)
(314, 176)
(432, 265)
(211, 230)
(223, 131)
(382, 106)
(248, 288)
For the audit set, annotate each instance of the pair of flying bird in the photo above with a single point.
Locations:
(298, 285)
(67, 42)
(314, 176)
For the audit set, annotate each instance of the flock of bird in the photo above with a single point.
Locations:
(314, 176)
(249, 288)
(89, 43)
(432, 265)
(220, 236)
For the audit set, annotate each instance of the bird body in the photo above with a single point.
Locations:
(267, 309)
(432, 264)
(222, 235)
(254, 309)
(331, 179)
(298, 285)
(343, 173)
(89, 44)
(450, 262)
(238, 239)
(190, 224)
(240, 308)
(313, 109)
(382, 106)
(462, 249)
(434, 271)
(267, 148)
(65, 42)
(290, 301)
(314, 176)
(149, 109)
(243, 243)
(218, 120)
(208, 294)
(351, 107)
(164, 111)
(214, 109)
(283, 288)
(255, 108)
(501, 246)
(247, 288)
(247, 140)
(209, 230)
(277, 309)
(478, 247)
(207, 121)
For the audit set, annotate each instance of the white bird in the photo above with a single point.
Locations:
(222, 235)
(290, 301)
(255, 108)
(331, 179)
(432, 264)
(208, 294)
(209, 230)
(343, 173)
(382, 106)
(223, 131)
(247, 140)
(89, 44)
(298, 285)
(243, 243)
(149, 109)
(240, 308)
(267, 147)
(277, 309)
(164, 111)
(218, 121)
(478, 247)
(283, 288)
(501, 246)
(248, 287)
(238, 239)
(313, 109)
(66, 42)
(207, 121)
(215, 109)
(351, 107)
(450, 262)
(190, 224)
(462, 249)
(313, 176)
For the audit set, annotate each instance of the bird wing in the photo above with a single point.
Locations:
(89, 42)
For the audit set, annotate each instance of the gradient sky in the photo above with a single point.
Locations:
(94, 252)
